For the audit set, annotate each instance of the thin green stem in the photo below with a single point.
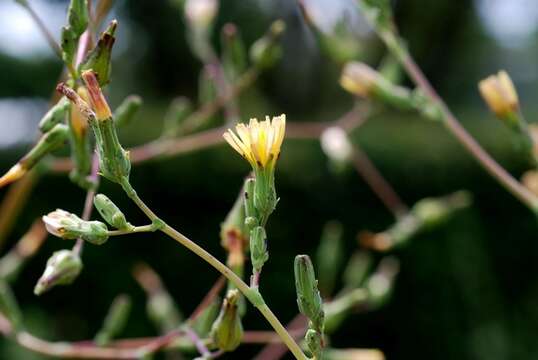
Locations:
(251, 294)
(136, 229)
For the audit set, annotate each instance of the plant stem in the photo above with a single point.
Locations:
(252, 295)
(41, 25)
(394, 45)
(136, 229)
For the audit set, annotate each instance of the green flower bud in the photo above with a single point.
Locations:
(227, 330)
(115, 320)
(258, 248)
(203, 323)
(357, 268)
(308, 296)
(127, 110)
(78, 17)
(68, 44)
(234, 56)
(251, 216)
(47, 143)
(110, 212)
(69, 226)
(330, 255)
(265, 52)
(314, 341)
(99, 59)
(63, 267)
(180, 108)
(163, 311)
(8, 305)
(54, 116)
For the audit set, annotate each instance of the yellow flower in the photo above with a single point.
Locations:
(259, 142)
(499, 93)
(13, 174)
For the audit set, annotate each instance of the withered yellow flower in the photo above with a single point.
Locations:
(97, 99)
(499, 93)
(259, 142)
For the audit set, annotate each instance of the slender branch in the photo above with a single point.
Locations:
(42, 27)
(253, 296)
(454, 126)
(136, 229)
(379, 185)
(88, 202)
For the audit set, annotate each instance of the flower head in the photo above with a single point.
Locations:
(259, 142)
(69, 226)
(499, 93)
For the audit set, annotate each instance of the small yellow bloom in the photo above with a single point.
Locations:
(259, 142)
(499, 93)
(97, 99)
(359, 79)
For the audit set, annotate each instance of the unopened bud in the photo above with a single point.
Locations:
(258, 248)
(69, 226)
(380, 284)
(266, 51)
(99, 59)
(63, 267)
(358, 266)
(115, 320)
(180, 108)
(114, 161)
(77, 16)
(68, 44)
(8, 305)
(314, 341)
(234, 56)
(530, 180)
(308, 296)
(48, 142)
(499, 93)
(359, 79)
(336, 145)
(110, 212)
(329, 256)
(54, 116)
(200, 13)
(127, 110)
(233, 233)
(227, 330)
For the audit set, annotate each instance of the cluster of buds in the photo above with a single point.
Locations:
(227, 330)
(310, 303)
(66, 225)
(63, 267)
(78, 19)
(47, 143)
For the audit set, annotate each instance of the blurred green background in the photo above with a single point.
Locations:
(466, 290)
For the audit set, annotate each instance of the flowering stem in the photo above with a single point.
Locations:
(252, 295)
(394, 45)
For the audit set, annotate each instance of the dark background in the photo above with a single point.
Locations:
(466, 290)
